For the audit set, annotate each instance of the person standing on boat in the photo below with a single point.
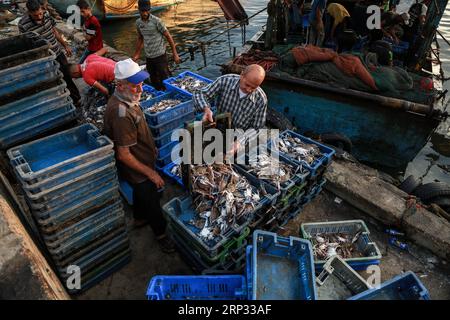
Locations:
(341, 20)
(151, 33)
(317, 30)
(39, 21)
(92, 29)
(135, 148)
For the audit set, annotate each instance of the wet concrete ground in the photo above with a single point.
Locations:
(148, 260)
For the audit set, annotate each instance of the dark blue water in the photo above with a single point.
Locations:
(200, 20)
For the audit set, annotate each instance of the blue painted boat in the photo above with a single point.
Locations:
(114, 9)
(385, 131)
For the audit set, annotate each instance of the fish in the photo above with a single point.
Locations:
(189, 84)
(146, 96)
(326, 245)
(294, 148)
(164, 105)
(221, 196)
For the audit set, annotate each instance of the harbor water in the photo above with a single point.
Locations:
(196, 21)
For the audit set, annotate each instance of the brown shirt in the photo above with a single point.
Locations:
(125, 124)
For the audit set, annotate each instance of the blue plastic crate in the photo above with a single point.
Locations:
(154, 119)
(85, 223)
(65, 178)
(327, 152)
(164, 139)
(11, 135)
(79, 229)
(296, 179)
(93, 204)
(167, 149)
(38, 100)
(169, 82)
(43, 158)
(112, 248)
(166, 170)
(126, 190)
(171, 125)
(406, 286)
(282, 268)
(28, 75)
(163, 161)
(226, 287)
(180, 211)
(149, 89)
(71, 196)
(372, 254)
(248, 270)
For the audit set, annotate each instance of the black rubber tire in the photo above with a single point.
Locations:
(277, 120)
(432, 190)
(443, 202)
(409, 184)
(338, 140)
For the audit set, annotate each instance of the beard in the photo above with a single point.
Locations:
(129, 96)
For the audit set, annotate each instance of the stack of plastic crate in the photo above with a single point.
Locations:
(33, 94)
(69, 181)
(225, 251)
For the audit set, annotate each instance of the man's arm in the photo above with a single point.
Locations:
(61, 40)
(101, 88)
(169, 38)
(202, 97)
(127, 158)
(139, 46)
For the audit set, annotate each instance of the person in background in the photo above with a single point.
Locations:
(135, 149)
(392, 25)
(317, 30)
(341, 20)
(413, 31)
(151, 33)
(97, 72)
(346, 41)
(39, 21)
(92, 29)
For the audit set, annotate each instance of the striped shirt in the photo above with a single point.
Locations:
(152, 31)
(247, 112)
(45, 30)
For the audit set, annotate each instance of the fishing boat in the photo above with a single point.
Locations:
(114, 9)
(384, 131)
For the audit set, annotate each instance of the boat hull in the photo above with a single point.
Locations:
(380, 136)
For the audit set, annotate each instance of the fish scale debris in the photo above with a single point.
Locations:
(189, 84)
(221, 198)
(298, 150)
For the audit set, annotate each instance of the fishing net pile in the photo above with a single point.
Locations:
(266, 59)
(354, 71)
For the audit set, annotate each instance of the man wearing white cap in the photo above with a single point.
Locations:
(135, 149)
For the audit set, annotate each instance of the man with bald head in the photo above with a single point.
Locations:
(239, 95)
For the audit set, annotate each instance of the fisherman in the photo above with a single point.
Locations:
(413, 31)
(239, 95)
(317, 30)
(392, 25)
(151, 32)
(97, 72)
(341, 20)
(135, 149)
(92, 29)
(39, 21)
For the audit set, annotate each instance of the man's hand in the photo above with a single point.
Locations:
(176, 58)
(208, 116)
(234, 149)
(135, 58)
(68, 50)
(156, 179)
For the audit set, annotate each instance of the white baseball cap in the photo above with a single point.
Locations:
(130, 71)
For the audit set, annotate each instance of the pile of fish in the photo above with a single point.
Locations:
(272, 169)
(164, 105)
(146, 96)
(298, 150)
(189, 84)
(221, 197)
(329, 244)
(93, 106)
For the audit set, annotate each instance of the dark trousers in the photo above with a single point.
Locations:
(159, 70)
(64, 67)
(146, 206)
